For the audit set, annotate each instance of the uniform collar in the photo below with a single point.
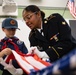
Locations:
(6, 38)
(40, 28)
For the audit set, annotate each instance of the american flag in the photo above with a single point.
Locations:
(64, 66)
(30, 62)
(72, 8)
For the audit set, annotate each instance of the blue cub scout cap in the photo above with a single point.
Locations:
(9, 23)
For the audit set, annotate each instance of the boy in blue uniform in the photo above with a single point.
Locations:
(9, 26)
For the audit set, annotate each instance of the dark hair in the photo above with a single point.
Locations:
(34, 8)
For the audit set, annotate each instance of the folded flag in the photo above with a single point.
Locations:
(30, 62)
(64, 66)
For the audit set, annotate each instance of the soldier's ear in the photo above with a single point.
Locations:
(39, 13)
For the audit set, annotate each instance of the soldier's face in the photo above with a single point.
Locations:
(32, 19)
(9, 32)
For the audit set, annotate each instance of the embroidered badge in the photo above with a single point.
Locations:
(12, 22)
(19, 42)
(55, 37)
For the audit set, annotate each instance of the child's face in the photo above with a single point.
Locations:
(9, 32)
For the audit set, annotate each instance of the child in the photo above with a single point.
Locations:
(10, 41)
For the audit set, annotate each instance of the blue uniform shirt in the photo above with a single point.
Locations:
(20, 45)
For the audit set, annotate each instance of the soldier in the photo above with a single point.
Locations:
(10, 42)
(52, 35)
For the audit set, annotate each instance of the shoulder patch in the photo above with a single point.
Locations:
(19, 42)
(49, 18)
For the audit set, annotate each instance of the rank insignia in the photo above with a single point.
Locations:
(63, 23)
(60, 48)
(55, 37)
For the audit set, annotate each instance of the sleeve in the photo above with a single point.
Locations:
(1, 66)
(32, 39)
(24, 48)
(65, 43)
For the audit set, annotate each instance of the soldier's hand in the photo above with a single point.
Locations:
(31, 50)
(34, 50)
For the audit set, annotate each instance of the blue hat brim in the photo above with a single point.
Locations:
(11, 28)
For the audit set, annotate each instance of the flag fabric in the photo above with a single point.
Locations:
(72, 8)
(64, 66)
(30, 62)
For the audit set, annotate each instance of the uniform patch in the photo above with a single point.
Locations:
(19, 42)
(12, 22)
(55, 37)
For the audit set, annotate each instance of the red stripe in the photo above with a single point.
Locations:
(30, 66)
(43, 62)
(29, 63)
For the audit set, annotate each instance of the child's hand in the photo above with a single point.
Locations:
(6, 51)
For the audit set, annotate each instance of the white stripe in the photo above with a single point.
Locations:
(35, 63)
(23, 64)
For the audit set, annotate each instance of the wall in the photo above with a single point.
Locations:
(48, 6)
(64, 12)
(43, 3)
